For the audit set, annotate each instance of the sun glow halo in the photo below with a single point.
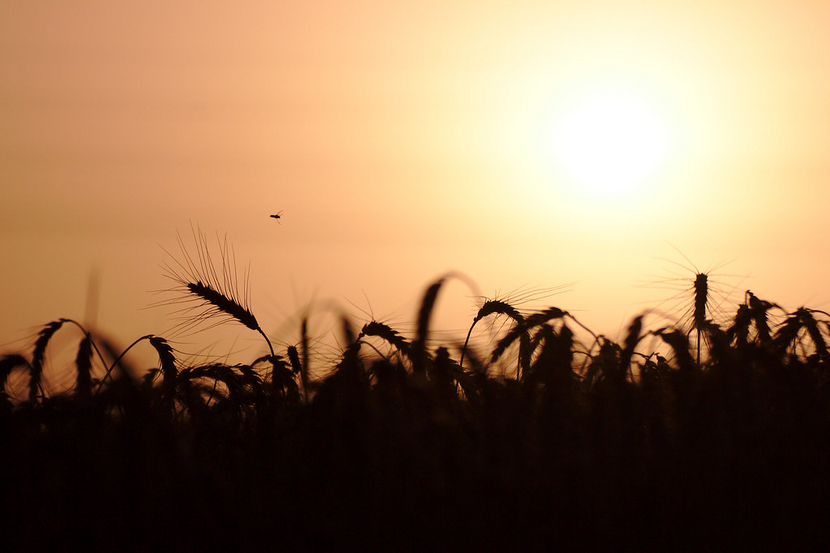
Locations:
(609, 141)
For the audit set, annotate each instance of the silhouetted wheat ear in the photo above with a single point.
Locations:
(215, 291)
(252, 380)
(708, 296)
(554, 364)
(498, 306)
(679, 343)
(294, 358)
(42, 341)
(701, 297)
(739, 331)
(425, 312)
(222, 304)
(811, 325)
(491, 307)
(281, 375)
(521, 331)
(166, 359)
(758, 309)
(233, 381)
(424, 315)
(544, 316)
(381, 330)
(701, 288)
(83, 364)
(631, 341)
(217, 303)
(791, 333)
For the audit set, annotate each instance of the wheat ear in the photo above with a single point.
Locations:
(216, 293)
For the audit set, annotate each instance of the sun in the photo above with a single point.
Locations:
(609, 141)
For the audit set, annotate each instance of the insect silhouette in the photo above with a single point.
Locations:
(278, 216)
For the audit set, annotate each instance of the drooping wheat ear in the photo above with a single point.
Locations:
(532, 321)
(554, 364)
(814, 331)
(252, 381)
(739, 331)
(791, 334)
(382, 330)
(83, 360)
(213, 296)
(427, 305)
(631, 340)
(758, 309)
(169, 372)
(545, 315)
(498, 306)
(491, 307)
(42, 341)
(679, 343)
(281, 377)
(424, 315)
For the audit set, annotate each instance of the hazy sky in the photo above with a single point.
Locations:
(403, 140)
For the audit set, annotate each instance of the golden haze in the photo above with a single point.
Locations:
(402, 140)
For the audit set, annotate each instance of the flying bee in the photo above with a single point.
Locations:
(278, 216)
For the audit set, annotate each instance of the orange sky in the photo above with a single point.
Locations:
(402, 140)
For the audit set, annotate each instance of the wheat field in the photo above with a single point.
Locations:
(550, 437)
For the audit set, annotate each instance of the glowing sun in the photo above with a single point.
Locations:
(610, 141)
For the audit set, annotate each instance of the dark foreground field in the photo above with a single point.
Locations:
(406, 445)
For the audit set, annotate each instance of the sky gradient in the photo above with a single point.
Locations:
(402, 140)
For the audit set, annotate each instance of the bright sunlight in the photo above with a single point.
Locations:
(610, 141)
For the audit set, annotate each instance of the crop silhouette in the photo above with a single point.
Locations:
(405, 444)
(215, 297)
